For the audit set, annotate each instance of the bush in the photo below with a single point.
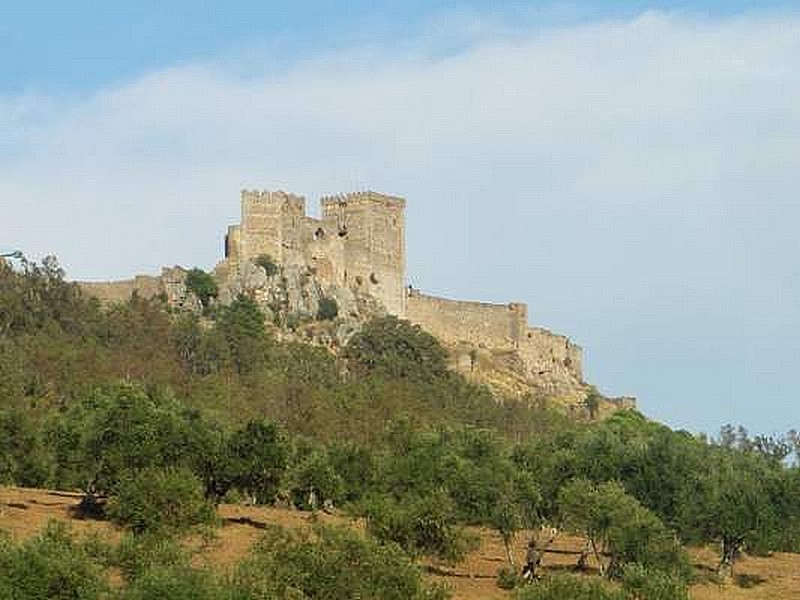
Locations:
(202, 285)
(508, 579)
(397, 349)
(51, 566)
(313, 479)
(424, 526)
(175, 583)
(135, 554)
(570, 587)
(648, 584)
(265, 262)
(160, 500)
(253, 463)
(241, 325)
(23, 459)
(328, 309)
(330, 563)
(120, 429)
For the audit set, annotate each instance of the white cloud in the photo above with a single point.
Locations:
(633, 178)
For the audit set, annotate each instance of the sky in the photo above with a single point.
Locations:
(631, 170)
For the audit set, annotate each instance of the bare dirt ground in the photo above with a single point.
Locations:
(23, 512)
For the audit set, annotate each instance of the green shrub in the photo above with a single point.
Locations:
(313, 480)
(642, 583)
(424, 526)
(135, 554)
(50, 566)
(202, 285)
(160, 500)
(570, 587)
(118, 429)
(397, 349)
(330, 563)
(23, 459)
(241, 325)
(265, 262)
(172, 582)
(328, 309)
(253, 462)
(508, 579)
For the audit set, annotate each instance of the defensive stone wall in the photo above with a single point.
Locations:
(547, 354)
(109, 292)
(498, 327)
(485, 325)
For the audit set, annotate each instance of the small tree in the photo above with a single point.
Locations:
(423, 526)
(731, 503)
(330, 563)
(242, 327)
(619, 529)
(265, 262)
(254, 462)
(160, 500)
(328, 309)
(202, 285)
(397, 349)
(592, 403)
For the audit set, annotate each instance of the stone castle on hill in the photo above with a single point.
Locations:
(356, 254)
(358, 243)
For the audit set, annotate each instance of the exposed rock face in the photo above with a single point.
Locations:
(292, 296)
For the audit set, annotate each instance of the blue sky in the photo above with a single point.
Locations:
(79, 44)
(631, 170)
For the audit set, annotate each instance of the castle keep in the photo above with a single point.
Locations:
(356, 251)
(358, 243)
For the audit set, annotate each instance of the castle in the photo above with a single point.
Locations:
(358, 243)
(358, 247)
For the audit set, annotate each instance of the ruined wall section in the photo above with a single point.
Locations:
(496, 326)
(372, 229)
(551, 360)
(550, 356)
(110, 292)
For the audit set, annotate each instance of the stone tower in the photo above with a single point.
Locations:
(372, 226)
(269, 220)
(359, 243)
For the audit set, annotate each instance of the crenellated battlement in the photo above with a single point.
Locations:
(363, 197)
(277, 197)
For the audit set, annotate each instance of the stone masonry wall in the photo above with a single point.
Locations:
(485, 325)
(545, 356)
(109, 292)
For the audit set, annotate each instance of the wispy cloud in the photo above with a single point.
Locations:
(635, 180)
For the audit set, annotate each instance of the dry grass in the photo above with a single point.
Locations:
(23, 512)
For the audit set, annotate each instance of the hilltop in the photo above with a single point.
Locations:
(354, 257)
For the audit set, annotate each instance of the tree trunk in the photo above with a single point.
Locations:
(598, 558)
(510, 553)
(729, 548)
